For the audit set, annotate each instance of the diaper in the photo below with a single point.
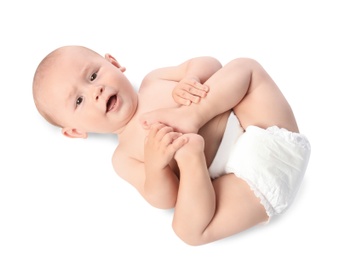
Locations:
(273, 163)
(233, 131)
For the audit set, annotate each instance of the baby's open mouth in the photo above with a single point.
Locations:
(111, 102)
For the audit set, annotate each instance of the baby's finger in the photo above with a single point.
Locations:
(195, 89)
(169, 138)
(180, 97)
(183, 101)
(189, 96)
(176, 144)
(179, 142)
(195, 84)
(165, 132)
(154, 129)
(199, 88)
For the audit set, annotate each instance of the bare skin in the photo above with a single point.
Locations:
(167, 162)
(242, 85)
(83, 92)
(209, 210)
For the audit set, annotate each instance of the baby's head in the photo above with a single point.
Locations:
(81, 91)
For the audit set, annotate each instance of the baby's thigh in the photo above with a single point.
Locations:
(237, 207)
(265, 105)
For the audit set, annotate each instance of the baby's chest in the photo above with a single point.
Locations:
(157, 96)
(133, 146)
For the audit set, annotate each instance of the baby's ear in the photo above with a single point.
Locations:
(73, 133)
(113, 61)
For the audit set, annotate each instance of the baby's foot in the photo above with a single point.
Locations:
(178, 118)
(194, 147)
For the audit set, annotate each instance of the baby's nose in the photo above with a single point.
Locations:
(98, 92)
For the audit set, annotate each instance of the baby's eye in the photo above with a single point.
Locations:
(79, 101)
(93, 76)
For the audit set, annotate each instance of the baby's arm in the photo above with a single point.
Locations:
(154, 178)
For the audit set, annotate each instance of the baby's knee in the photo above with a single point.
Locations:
(186, 236)
(246, 62)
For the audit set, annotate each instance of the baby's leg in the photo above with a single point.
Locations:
(264, 105)
(242, 85)
(207, 211)
(227, 86)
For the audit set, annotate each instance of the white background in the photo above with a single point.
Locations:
(61, 199)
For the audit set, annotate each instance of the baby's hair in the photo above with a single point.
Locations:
(41, 72)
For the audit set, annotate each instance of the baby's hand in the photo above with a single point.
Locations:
(161, 145)
(189, 90)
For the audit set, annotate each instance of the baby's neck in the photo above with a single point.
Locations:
(131, 126)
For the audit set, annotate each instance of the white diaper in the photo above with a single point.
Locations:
(232, 132)
(271, 161)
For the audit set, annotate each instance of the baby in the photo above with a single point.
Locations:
(219, 178)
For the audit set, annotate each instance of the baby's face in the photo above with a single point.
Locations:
(88, 93)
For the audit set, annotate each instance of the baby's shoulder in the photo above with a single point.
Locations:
(128, 168)
(119, 155)
(122, 160)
